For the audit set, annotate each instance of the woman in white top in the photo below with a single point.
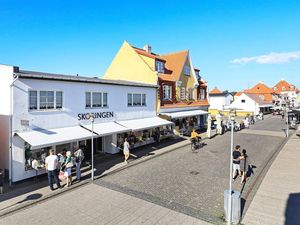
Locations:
(126, 150)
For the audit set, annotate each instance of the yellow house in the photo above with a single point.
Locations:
(181, 88)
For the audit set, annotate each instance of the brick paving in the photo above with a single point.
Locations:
(93, 204)
(193, 183)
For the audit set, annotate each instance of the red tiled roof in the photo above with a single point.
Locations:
(284, 86)
(260, 88)
(215, 91)
(238, 93)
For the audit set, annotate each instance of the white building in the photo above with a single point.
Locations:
(40, 111)
(219, 100)
(250, 104)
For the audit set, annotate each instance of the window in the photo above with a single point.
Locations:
(143, 99)
(159, 66)
(136, 99)
(43, 100)
(96, 99)
(191, 94)
(182, 93)
(283, 88)
(243, 101)
(104, 103)
(202, 94)
(129, 99)
(187, 70)
(46, 99)
(167, 92)
(59, 99)
(32, 100)
(88, 99)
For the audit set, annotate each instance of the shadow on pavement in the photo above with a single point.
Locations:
(31, 197)
(102, 164)
(292, 212)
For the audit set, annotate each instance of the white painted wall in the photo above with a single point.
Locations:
(4, 141)
(249, 105)
(217, 102)
(74, 103)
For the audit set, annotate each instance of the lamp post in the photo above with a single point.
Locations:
(92, 147)
(287, 120)
(229, 211)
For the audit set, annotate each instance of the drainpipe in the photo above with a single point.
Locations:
(10, 128)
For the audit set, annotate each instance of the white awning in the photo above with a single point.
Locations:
(182, 114)
(264, 106)
(108, 128)
(146, 123)
(41, 138)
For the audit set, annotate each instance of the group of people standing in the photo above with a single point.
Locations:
(60, 166)
(241, 164)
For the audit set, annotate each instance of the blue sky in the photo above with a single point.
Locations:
(235, 43)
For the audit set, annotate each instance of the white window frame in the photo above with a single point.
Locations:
(182, 93)
(167, 92)
(39, 101)
(131, 104)
(160, 66)
(202, 94)
(91, 100)
(191, 93)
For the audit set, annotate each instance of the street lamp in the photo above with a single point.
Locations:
(229, 210)
(92, 147)
(287, 120)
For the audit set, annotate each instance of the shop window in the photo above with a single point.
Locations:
(136, 99)
(167, 92)
(59, 99)
(35, 159)
(33, 100)
(182, 93)
(46, 99)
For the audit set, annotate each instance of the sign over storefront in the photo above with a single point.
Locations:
(97, 115)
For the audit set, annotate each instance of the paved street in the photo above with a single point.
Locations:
(93, 204)
(193, 183)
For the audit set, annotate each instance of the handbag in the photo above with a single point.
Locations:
(69, 164)
(61, 176)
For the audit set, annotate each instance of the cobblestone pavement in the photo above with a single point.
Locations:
(193, 183)
(93, 204)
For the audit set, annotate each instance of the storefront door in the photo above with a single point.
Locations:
(97, 147)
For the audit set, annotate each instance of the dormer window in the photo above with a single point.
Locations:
(197, 72)
(283, 88)
(159, 66)
(187, 70)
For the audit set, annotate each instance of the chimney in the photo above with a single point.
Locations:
(147, 48)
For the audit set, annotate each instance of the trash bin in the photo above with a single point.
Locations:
(235, 205)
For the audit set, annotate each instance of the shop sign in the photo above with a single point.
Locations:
(97, 115)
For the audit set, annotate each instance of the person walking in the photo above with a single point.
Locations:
(68, 168)
(236, 154)
(244, 165)
(79, 156)
(51, 163)
(126, 151)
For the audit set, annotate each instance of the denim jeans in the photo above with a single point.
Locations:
(78, 172)
(53, 173)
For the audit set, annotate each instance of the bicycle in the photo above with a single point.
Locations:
(196, 143)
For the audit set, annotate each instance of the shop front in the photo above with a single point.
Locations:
(186, 121)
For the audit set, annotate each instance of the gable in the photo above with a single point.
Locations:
(128, 65)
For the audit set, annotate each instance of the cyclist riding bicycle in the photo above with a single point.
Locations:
(195, 137)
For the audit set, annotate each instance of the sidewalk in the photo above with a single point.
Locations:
(277, 201)
(26, 194)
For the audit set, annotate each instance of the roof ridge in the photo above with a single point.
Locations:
(173, 53)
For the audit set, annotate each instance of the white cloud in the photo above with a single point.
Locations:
(271, 58)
